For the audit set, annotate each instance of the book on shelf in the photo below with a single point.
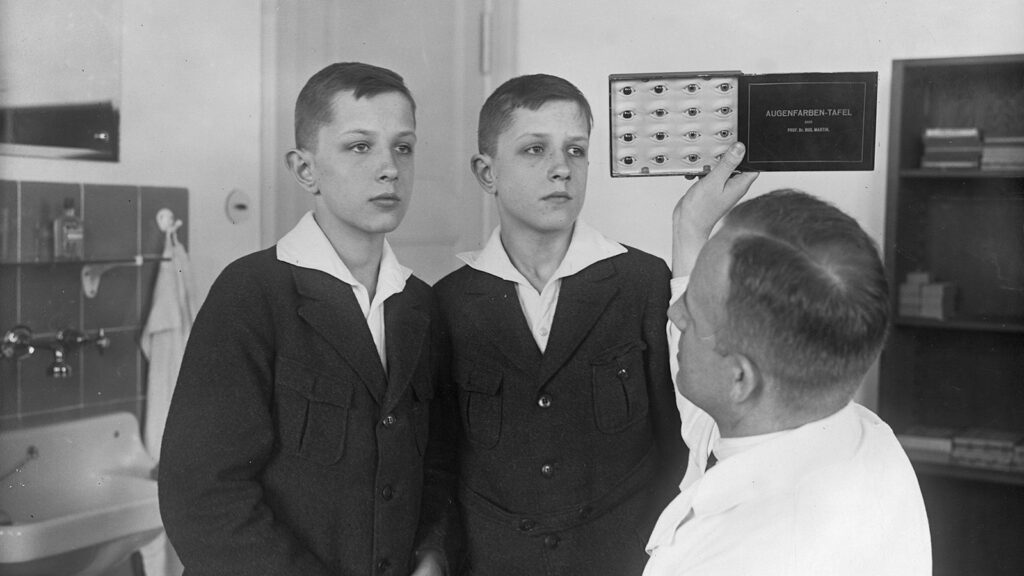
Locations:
(1002, 153)
(986, 447)
(928, 440)
(952, 136)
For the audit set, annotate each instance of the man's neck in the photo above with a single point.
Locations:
(536, 256)
(361, 253)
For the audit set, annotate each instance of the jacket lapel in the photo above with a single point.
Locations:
(493, 307)
(405, 323)
(581, 301)
(332, 311)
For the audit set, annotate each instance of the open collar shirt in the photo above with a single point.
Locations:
(306, 246)
(587, 247)
(834, 496)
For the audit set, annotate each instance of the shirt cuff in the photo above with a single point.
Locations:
(678, 286)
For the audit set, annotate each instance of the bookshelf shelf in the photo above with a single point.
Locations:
(971, 473)
(1009, 325)
(964, 227)
(959, 174)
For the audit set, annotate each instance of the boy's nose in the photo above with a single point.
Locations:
(559, 166)
(388, 168)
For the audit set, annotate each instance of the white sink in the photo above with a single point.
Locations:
(75, 498)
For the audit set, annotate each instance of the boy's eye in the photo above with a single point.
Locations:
(626, 90)
(628, 160)
(404, 148)
(628, 137)
(535, 149)
(577, 151)
(691, 112)
(659, 89)
(627, 114)
(691, 88)
(359, 147)
(692, 135)
(660, 136)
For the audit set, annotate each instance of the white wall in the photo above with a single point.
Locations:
(190, 96)
(586, 40)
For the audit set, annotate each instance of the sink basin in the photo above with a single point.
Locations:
(75, 497)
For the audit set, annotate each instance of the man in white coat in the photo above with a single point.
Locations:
(777, 318)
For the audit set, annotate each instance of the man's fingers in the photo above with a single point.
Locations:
(730, 160)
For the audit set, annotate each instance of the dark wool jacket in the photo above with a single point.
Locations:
(287, 449)
(566, 458)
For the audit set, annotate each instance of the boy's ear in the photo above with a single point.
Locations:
(300, 164)
(480, 166)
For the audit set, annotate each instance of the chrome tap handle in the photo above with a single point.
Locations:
(16, 343)
(102, 341)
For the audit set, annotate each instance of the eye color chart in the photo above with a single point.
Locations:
(681, 123)
(671, 123)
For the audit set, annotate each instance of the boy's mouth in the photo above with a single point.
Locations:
(386, 199)
(558, 197)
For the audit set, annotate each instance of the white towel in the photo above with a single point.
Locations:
(163, 342)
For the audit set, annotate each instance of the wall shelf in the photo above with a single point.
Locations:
(1011, 325)
(972, 473)
(926, 173)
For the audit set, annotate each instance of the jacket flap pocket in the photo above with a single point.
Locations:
(475, 379)
(312, 384)
(618, 351)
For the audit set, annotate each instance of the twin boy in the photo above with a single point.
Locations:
(301, 440)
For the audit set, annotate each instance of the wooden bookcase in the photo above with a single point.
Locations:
(964, 227)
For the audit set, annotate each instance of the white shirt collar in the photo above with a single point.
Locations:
(306, 246)
(587, 247)
(778, 463)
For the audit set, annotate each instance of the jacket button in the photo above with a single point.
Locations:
(551, 541)
(526, 525)
(383, 565)
(387, 492)
(389, 421)
(544, 401)
(547, 470)
(622, 373)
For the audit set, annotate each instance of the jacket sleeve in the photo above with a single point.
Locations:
(440, 528)
(220, 435)
(661, 390)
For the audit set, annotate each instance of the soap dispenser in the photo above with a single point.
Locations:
(68, 234)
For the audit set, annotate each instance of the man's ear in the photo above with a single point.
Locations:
(480, 166)
(746, 383)
(300, 164)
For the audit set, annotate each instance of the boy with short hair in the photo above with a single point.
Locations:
(568, 444)
(296, 435)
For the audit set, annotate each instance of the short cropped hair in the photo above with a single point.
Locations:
(808, 297)
(314, 106)
(531, 92)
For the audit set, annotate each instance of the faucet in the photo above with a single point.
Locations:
(19, 343)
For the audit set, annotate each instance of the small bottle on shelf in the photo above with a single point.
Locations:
(68, 234)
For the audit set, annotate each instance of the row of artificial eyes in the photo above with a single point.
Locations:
(661, 159)
(692, 112)
(692, 136)
(691, 88)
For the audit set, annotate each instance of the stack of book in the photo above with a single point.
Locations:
(928, 443)
(986, 448)
(1002, 153)
(951, 148)
(920, 297)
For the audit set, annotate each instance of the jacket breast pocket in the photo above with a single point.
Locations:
(620, 386)
(479, 403)
(311, 412)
